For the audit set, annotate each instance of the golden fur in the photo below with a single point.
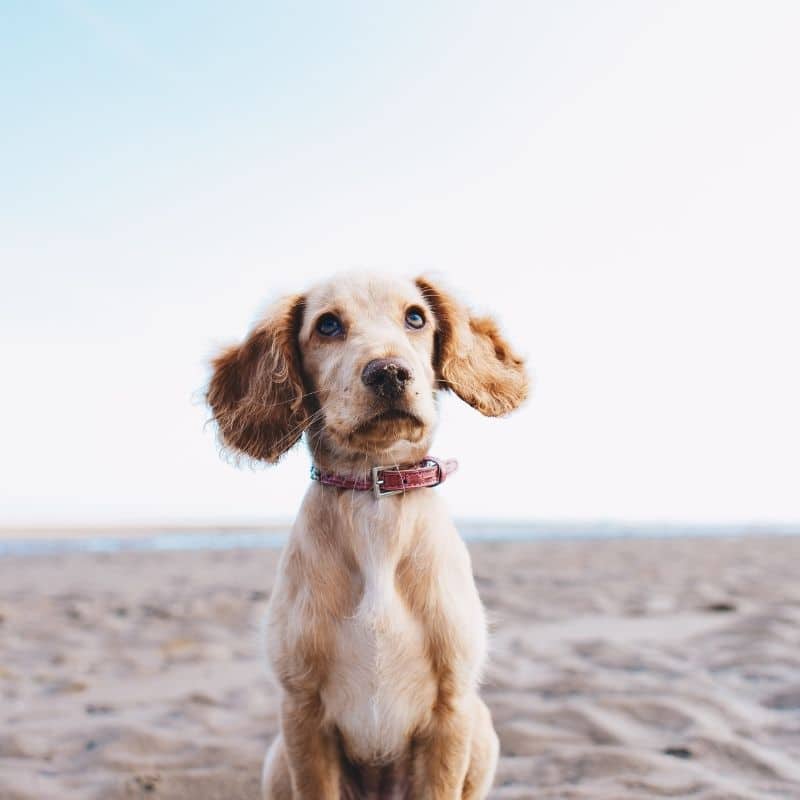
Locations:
(375, 630)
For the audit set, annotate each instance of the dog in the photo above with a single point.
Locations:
(375, 631)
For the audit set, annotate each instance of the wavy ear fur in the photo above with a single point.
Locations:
(256, 392)
(471, 357)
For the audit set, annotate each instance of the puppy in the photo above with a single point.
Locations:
(375, 630)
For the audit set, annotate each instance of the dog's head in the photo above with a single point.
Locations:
(356, 362)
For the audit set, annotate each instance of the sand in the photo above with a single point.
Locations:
(620, 669)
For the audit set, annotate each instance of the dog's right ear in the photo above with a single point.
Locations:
(256, 392)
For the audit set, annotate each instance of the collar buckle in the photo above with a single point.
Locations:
(377, 482)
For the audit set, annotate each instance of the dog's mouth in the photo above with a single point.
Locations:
(391, 418)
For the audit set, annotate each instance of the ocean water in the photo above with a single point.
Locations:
(232, 539)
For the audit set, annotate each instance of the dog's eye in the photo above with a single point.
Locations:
(329, 325)
(414, 317)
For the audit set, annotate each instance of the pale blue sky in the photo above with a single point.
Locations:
(618, 181)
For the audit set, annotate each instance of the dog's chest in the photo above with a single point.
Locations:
(381, 685)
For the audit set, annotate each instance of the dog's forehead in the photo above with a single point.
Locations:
(363, 293)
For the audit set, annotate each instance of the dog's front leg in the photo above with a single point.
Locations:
(442, 755)
(312, 751)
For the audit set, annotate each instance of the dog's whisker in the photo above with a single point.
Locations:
(299, 427)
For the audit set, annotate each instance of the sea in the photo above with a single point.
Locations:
(46, 543)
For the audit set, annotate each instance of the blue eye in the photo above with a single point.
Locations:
(415, 318)
(329, 325)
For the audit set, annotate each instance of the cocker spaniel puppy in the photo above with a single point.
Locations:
(375, 630)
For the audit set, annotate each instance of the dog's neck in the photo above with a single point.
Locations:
(358, 466)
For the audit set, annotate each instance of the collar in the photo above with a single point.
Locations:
(392, 480)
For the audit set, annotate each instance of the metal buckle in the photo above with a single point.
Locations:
(376, 483)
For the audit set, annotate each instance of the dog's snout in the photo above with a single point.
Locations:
(387, 377)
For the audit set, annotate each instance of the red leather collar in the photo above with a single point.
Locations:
(392, 480)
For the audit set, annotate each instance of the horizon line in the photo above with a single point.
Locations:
(196, 538)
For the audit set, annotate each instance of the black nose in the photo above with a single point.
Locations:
(387, 377)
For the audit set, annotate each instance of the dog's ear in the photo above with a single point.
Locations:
(256, 392)
(471, 358)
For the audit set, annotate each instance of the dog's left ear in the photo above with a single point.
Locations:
(471, 358)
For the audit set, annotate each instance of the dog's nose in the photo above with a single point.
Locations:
(387, 377)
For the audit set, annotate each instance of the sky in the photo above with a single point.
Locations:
(619, 183)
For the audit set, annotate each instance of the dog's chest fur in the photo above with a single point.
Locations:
(380, 675)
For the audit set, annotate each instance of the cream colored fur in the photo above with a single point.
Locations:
(375, 630)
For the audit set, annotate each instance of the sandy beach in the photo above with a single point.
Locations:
(619, 669)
